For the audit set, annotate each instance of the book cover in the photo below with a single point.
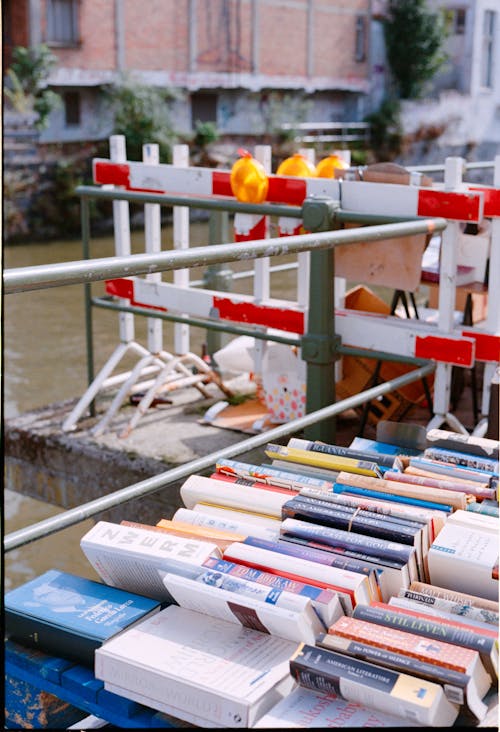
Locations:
(130, 558)
(219, 671)
(477, 462)
(455, 499)
(455, 596)
(211, 522)
(472, 444)
(383, 689)
(271, 475)
(70, 616)
(307, 709)
(479, 522)
(379, 447)
(458, 687)
(238, 601)
(384, 462)
(322, 460)
(465, 559)
(350, 586)
(188, 532)
(461, 607)
(486, 646)
(198, 489)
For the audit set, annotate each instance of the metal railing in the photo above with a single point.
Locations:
(320, 339)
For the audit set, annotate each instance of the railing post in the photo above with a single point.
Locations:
(217, 276)
(87, 290)
(319, 345)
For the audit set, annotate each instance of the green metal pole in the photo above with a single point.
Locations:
(87, 288)
(217, 276)
(320, 344)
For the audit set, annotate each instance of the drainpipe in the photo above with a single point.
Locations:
(35, 23)
(119, 36)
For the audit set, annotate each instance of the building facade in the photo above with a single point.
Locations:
(246, 65)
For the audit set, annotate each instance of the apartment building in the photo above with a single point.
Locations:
(246, 65)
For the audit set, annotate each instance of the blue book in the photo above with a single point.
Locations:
(70, 616)
(382, 448)
(341, 488)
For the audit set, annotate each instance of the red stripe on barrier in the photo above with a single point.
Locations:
(124, 287)
(487, 346)
(257, 232)
(117, 174)
(447, 350)
(449, 205)
(284, 189)
(491, 200)
(221, 183)
(291, 321)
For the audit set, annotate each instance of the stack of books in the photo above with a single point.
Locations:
(321, 589)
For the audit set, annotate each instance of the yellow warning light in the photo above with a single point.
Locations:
(297, 165)
(326, 167)
(249, 181)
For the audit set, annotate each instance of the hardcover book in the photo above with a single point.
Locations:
(326, 603)
(71, 616)
(308, 709)
(238, 601)
(130, 558)
(198, 489)
(383, 689)
(200, 665)
(458, 687)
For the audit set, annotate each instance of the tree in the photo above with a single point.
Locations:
(414, 37)
(26, 87)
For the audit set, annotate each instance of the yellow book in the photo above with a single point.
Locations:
(322, 460)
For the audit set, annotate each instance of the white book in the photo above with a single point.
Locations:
(479, 521)
(198, 489)
(129, 558)
(245, 528)
(305, 709)
(466, 560)
(238, 514)
(201, 665)
(352, 587)
(291, 617)
(459, 608)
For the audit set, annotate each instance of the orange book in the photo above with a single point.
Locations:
(185, 532)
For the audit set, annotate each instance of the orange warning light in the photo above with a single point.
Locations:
(297, 165)
(249, 181)
(326, 167)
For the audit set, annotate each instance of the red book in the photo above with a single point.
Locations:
(253, 484)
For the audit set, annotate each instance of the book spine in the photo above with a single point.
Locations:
(452, 498)
(356, 520)
(441, 613)
(480, 490)
(322, 460)
(451, 470)
(383, 461)
(462, 609)
(251, 483)
(187, 515)
(484, 509)
(268, 474)
(476, 462)
(396, 497)
(455, 595)
(347, 539)
(198, 489)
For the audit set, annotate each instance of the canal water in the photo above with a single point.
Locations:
(44, 361)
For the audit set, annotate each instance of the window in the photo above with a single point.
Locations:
(62, 22)
(360, 39)
(72, 116)
(489, 22)
(203, 108)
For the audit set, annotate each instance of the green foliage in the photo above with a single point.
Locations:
(414, 36)
(385, 129)
(205, 133)
(27, 81)
(141, 114)
(279, 108)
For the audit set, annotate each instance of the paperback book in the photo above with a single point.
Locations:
(130, 558)
(325, 602)
(207, 521)
(455, 596)
(220, 538)
(465, 459)
(471, 444)
(454, 472)
(459, 607)
(237, 514)
(198, 489)
(199, 665)
(271, 611)
(439, 612)
(71, 616)
(481, 491)
(383, 689)
(381, 493)
(384, 462)
(271, 475)
(322, 460)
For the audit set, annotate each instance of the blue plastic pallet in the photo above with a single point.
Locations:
(31, 675)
